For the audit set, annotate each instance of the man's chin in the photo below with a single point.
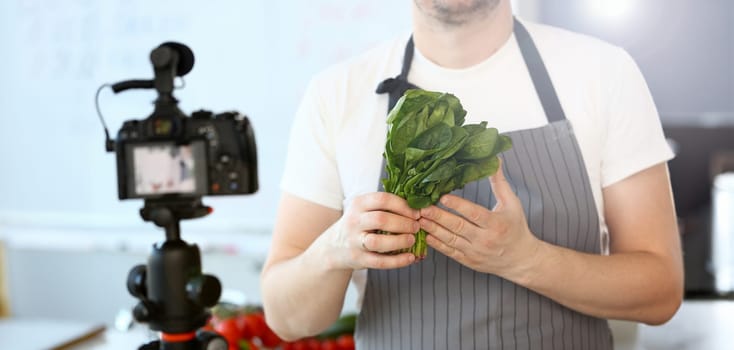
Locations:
(456, 12)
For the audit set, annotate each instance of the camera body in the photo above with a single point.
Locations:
(170, 155)
(205, 154)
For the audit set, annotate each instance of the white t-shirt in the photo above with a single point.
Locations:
(338, 135)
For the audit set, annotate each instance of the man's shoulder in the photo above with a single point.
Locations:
(370, 66)
(545, 34)
(571, 55)
(573, 47)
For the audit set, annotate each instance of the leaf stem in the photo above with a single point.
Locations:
(420, 247)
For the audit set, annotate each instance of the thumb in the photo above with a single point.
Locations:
(501, 187)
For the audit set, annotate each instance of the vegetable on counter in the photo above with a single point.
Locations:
(244, 328)
(429, 151)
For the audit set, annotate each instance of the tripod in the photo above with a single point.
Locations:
(174, 295)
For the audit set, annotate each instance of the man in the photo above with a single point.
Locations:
(577, 227)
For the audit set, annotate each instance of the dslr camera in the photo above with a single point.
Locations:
(170, 154)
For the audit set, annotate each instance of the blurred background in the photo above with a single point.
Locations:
(67, 243)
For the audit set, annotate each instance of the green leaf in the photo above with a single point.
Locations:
(412, 101)
(402, 136)
(413, 155)
(444, 171)
(458, 137)
(436, 137)
(445, 187)
(421, 117)
(480, 169)
(480, 145)
(430, 187)
(474, 129)
(438, 115)
(387, 184)
(457, 111)
(504, 144)
(419, 202)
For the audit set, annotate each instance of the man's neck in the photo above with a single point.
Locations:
(465, 45)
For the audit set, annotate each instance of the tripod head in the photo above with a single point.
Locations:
(174, 294)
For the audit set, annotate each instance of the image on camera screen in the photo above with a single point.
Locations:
(165, 168)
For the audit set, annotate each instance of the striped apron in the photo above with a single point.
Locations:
(440, 304)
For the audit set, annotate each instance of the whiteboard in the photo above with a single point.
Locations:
(252, 56)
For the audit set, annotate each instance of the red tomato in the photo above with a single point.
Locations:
(313, 344)
(228, 329)
(300, 345)
(345, 342)
(270, 339)
(329, 344)
(294, 345)
(245, 326)
(256, 323)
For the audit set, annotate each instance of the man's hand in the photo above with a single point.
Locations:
(494, 241)
(356, 243)
(315, 249)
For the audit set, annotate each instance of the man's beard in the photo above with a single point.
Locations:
(454, 14)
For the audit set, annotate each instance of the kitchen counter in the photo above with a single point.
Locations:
(698, 325)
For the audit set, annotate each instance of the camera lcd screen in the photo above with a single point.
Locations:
(160, 168)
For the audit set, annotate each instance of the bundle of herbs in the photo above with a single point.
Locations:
(430, 152)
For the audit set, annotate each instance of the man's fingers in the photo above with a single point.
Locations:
(383, 243)
(501, 187)
(383, 262)
(450, 251)
(470, 215)
(384, 201)
(444, 235)
(386, 221)
(468, 210)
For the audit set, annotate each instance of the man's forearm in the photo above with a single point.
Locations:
(303, 296)
(639, 286)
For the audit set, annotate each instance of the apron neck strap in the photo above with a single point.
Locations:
(396, 87)
(407, 59)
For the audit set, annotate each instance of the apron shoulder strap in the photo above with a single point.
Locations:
(539, 74)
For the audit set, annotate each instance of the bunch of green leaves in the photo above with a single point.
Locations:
(430, 152)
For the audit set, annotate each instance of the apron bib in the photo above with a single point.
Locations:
(440, 304)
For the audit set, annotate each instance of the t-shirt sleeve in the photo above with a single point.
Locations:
(634, 137)
(311, 171)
